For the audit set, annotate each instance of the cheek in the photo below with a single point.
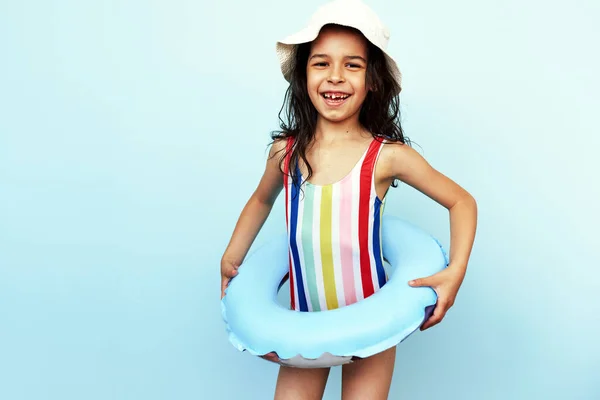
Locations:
(360, 87)
(311, 88)
(312, 82)
(360, 83)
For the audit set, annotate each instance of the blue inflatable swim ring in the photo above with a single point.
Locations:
(257, 323)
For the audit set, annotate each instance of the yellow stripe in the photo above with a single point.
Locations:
(326, 249)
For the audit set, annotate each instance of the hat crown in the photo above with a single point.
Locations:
(353, 13)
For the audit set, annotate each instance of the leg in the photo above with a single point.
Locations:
(301, 383)
(369, 378)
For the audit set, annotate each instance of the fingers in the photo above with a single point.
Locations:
(421, 282)
(271, 357)
(231, 272)
(224, 283)
(435, 319)
(439, 313)
(441, 306)
(226, 278)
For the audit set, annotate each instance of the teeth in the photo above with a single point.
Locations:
(335, 96)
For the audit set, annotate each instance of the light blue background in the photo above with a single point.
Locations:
(132, 133)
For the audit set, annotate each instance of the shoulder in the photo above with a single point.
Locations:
(278, 148)
(392, 149)
(399, 159)
(278, 145)
(277, 152)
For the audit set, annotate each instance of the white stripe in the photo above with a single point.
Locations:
(317, 247)
(355, 242)
(335, 245)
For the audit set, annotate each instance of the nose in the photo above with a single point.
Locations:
(336, 75)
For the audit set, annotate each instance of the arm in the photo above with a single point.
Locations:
(405, 164)
(253, 216)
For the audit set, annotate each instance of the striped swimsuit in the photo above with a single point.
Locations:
(334, 234)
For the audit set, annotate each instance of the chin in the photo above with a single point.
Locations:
(334, 116)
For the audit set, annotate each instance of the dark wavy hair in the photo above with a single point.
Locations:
(379, 114)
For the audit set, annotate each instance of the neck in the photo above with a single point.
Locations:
(330, 131)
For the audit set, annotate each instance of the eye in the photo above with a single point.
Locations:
(320, 64)
(354, 65)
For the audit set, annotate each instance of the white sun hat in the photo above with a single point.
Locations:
(352, 13)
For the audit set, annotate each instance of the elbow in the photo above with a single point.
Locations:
(466, 201)
(471, 205)
(471, 200)
(264, 200)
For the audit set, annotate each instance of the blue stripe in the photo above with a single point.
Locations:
(376, 244)
(294, 246)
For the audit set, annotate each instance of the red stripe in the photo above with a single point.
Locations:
(366, 176)
(285, 183)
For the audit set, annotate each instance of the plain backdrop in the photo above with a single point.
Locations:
(133, 132)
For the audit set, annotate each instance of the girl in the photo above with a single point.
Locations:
(337, 154)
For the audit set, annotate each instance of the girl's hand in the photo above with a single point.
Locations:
(229, 270)
(446, 284)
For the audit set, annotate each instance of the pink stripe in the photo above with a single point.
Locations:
(346, 240)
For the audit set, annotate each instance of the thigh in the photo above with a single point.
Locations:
(369, 378)
(301, 383)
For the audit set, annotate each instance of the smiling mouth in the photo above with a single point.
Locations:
(335, 98)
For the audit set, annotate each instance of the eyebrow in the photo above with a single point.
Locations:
(320, 55)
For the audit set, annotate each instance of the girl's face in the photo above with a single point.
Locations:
(336, 74)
